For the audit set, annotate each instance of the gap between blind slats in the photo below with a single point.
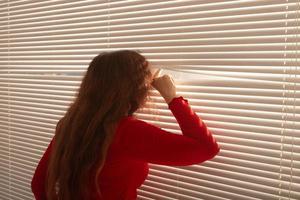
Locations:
(203, 79)
(150, 33)
(216, 82)
(185, 55)
(15, 69)
(70, 79)
(230, 62)
(163, 49)
(173, 49)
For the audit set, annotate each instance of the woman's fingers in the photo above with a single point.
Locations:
(157, 73)
(172, 80)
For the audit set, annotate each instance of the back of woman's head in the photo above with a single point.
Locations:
(116, 84)
(117, 79)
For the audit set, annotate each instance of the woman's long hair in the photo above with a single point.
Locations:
(116, 84)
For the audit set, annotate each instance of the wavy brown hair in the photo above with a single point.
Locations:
(116, 84)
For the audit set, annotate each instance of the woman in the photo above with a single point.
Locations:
(101, 151)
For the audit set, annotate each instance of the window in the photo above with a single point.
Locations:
(235, 61)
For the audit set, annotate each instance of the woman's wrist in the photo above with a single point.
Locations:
(169, 99)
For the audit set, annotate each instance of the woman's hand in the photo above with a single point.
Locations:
(164, 85)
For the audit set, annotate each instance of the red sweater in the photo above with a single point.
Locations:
(137, 143)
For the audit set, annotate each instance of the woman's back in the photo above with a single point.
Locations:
(137, 143)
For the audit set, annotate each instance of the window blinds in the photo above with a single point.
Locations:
(235, 61)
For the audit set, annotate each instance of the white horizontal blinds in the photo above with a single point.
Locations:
(244, 86)
(235, 61)
(50, 46)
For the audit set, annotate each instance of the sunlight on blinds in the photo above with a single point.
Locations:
(235, 61)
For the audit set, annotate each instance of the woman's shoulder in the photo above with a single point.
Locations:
(121, 128)
(127, 123)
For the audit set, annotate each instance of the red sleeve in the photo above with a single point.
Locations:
(146, 142)
(39, 177)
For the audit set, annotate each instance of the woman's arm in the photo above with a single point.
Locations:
(143, 141)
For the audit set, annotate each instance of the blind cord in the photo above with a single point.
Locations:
(283, 111)
(108, 23)
(294, 102)
(9, 102)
